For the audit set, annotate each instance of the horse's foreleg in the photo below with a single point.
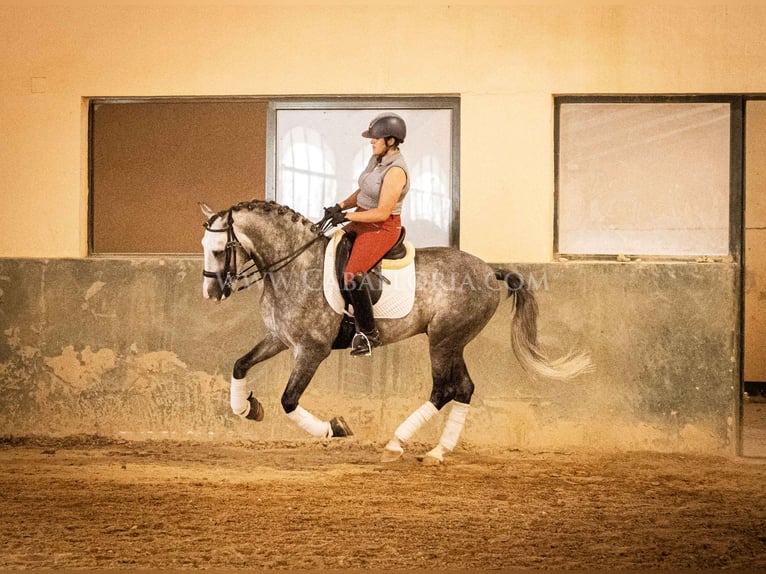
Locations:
(306, 364)
(242, 401)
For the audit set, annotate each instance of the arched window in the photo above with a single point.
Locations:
(306, 178)
(429, 203)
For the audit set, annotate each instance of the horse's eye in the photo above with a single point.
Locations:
(217, 253)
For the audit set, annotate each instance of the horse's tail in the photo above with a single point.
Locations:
(524, 336)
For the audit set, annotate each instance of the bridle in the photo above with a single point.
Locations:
(228, 276)
(229, 271)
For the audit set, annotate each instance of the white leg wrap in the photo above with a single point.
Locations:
(238, 394)
(454, 425)
(412, 424)
(394, 446)
(310, 423)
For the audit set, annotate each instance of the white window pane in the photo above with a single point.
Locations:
(644, 178)
(327, 146)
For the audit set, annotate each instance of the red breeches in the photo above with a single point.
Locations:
(373, 240)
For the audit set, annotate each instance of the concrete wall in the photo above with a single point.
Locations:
(129, 348)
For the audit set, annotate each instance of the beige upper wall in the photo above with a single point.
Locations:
(504, 59)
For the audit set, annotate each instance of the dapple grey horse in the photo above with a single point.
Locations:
(284, 248)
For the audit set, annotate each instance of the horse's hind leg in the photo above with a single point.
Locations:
(450, 435)
(404, 432)
(243, 403)
(451, 382)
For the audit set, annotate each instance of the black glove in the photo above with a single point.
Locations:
(330, 212)
(338, 217)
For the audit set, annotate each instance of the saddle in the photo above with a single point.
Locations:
(397, 263)
(375, 278)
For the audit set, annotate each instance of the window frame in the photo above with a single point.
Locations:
(736, 167)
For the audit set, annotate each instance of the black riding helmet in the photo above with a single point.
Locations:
(386, 125)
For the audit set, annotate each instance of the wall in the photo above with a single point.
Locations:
(505, 60)
(128, 346)
(755, 244)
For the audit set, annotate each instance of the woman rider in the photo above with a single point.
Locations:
(376, 220)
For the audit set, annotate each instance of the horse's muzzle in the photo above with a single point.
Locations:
(213, 290)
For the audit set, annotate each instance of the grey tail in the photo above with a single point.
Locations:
(524, 336)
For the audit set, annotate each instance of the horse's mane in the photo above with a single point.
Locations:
(272, 206)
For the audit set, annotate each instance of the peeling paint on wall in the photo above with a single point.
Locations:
(84, 369)
(159, 362)
(27, 352)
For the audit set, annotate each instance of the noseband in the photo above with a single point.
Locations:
(229, 276)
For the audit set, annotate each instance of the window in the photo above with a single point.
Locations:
(153, 159)
(306, 179)
(643, 176)
(318, 154)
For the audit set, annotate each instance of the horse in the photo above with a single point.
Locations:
(282, 248)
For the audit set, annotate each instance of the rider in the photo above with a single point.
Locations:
(376, 220)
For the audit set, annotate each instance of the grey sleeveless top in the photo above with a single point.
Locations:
(371, 180)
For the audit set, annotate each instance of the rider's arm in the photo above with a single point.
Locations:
(350, 201)
(390, 191)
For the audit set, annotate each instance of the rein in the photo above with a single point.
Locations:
(229, 271)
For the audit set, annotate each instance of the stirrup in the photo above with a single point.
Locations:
(362, 344)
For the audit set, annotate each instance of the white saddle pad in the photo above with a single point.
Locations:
(398, 296)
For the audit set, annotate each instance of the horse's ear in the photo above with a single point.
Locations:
(206, 211)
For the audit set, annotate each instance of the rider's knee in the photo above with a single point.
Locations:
(353, 280)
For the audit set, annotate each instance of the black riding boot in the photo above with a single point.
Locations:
(367, 335)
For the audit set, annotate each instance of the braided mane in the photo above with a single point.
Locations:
(273, 206)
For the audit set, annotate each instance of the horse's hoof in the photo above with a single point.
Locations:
(434, 457)
(390, 455)
(340, 428)
(391, 452)
(430, 460)
(256, 409)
